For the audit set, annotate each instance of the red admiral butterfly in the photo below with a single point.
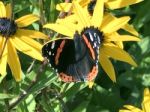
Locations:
(76, 59)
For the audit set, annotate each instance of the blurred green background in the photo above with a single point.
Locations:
(48, 94)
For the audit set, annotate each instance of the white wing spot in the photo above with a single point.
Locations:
(95, 44)
(49, 53)
(91, 37)
(53, 45)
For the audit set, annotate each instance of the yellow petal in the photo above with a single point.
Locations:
(8, 10)
(71, 26)
(3, 60)
(27, 49)
(116, 37)
(70, 19)
(118, 54)
(132, 108)
(146, 94)
(13, 61)
(115, 25)
(123, 110)
(115, 4)
(84, 3)
(26, 20)
(130, 29)
(108, 17)
(2, 41)
(107, 65)
(60, 29)
(98, 13)
(2, 10)
(82, 15)
(64, 7)
(32, 34)
(3, 64)
(146, 105)
(119, 44)
(90, 84)
(34, 44)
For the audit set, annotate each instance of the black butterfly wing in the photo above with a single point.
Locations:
(72, 59)
(60, 53)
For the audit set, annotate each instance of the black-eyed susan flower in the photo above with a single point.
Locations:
(145, 104)
(105, 28)
(89, 6)
(13, 36)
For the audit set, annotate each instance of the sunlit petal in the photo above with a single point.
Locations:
(107, 65)
(8, 11)
(65, 7)
(130, 29)
(115, 25)
(71, 26)
(115, 4)
(116, 37)
(146, 94)
(132, 108)
(26, 20)
(3, 64)
(109, 17)
(118, 54)
(98, 13)
(34, 44)
(82, 16)
(13, 61)
(84, 2)
(2, 41)
(60, 29)
(27, 49)
(70, 19)
(2, 10)
(124, 110)
(119, 44)
(146, 105)
(32, 34)
(90, 84)
(3, 60)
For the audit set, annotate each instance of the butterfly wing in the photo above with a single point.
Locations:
(72, 58)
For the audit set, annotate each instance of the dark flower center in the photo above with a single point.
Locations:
(7, 27)
(91, 6)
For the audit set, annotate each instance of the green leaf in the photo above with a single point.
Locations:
(70, 93)
(6, 96)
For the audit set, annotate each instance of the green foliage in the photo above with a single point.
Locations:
(44, 92)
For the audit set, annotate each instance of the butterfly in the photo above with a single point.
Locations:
(75, 59)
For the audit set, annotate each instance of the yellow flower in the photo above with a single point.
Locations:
(14, 36)
(89, 6)
(145, 104)
(105, 28)
(109, 4)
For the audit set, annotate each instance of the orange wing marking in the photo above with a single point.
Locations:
(89, 46)
(59, 50)
(92, 74)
